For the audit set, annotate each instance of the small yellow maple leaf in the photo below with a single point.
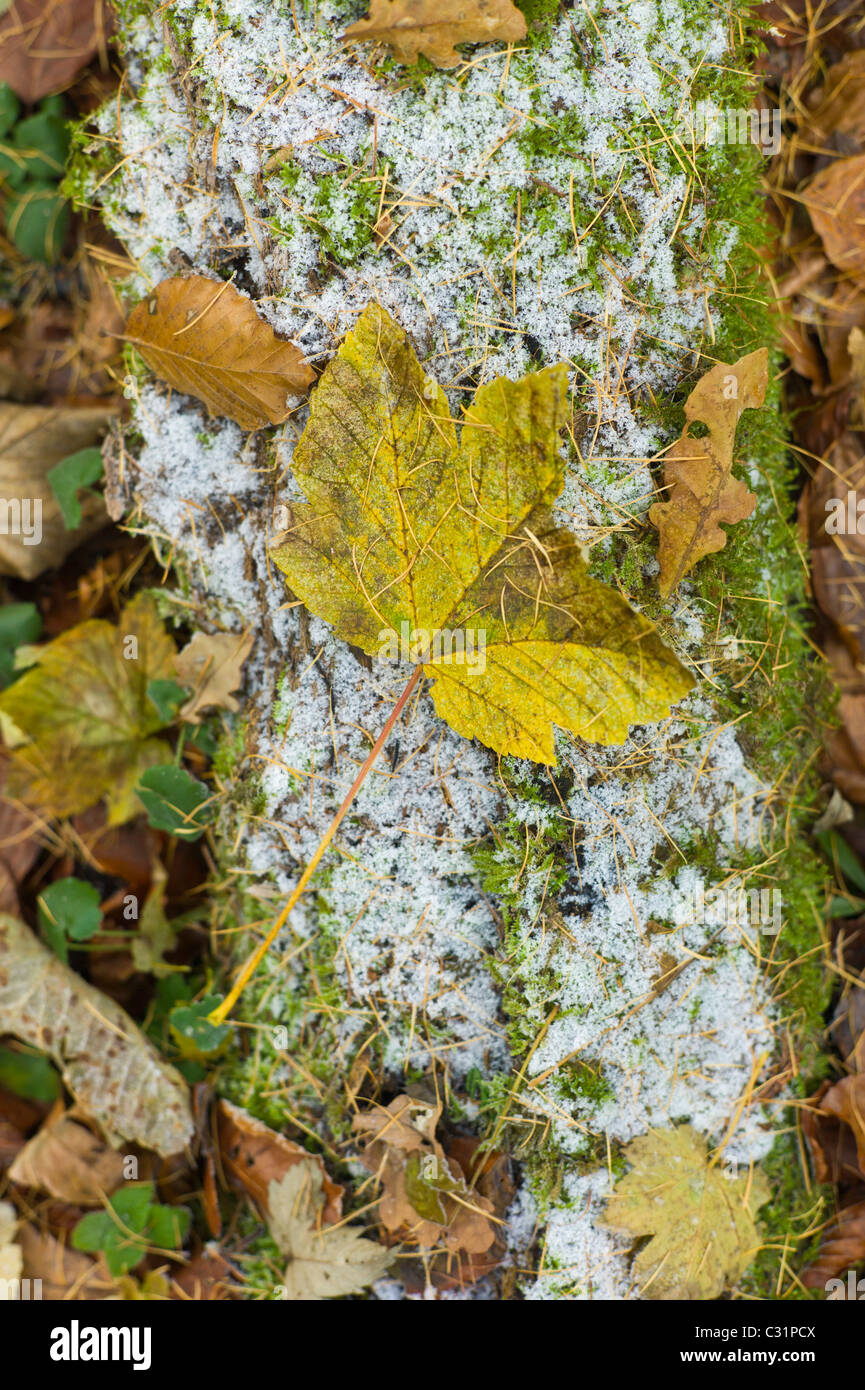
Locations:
(700, 1219)
(443, 549)
(697, 472)
(80, 722)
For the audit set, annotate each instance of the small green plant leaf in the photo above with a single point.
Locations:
(9, 103)
(28, 1074)
(167, 696)
(68, 911)
(198, 1039)
(175, 801)
(37, 220)
(69, 476)
(836, 848)
(127, 1228)
(20, 623)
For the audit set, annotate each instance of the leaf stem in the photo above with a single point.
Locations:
(222, 1010)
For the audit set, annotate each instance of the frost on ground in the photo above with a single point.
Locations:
(525, 208)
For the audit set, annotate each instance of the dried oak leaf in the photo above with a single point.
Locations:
(79, 721)
(835, 198)
(697, 471)
(213, 665)
(256, 1156)
(842, 1247)
(323, 1261)
(434, 27)
(411, 531)
(44, 43)
(113, 1071)
(425, 1198)
(207, 340)
(701, 1222)
(69, 1162)
(33, 438)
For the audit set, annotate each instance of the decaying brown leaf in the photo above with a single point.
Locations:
(207, 340)
(835, 198)
(256, 1156)
(840, 108)
(425, 1198)
(44, 43)
(11, 1260)
(434, 27)
(112, 1070)
(206, 1278)
(846, 1102)
(701, 491)
(33, 438)
(66, 1274)
(323, 1261)
(70, 1162)
(841, 1248)
(213, 665)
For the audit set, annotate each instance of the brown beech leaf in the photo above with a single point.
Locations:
(841, 107)
(846, 1101)
(213, 665)
(434, 27)
(255, 1156)
(701, 491)
(835, 198)
(425, 1198)
(112, 1070)
(831, 1142)
(207, 340)
(69, 1162)
(44, 43)
(841, 1248)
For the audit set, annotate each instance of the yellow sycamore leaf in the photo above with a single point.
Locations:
(701, 490)
(700, 1218)
(442, 548)
(80, 721)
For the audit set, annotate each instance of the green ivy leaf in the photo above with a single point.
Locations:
(175, 801)
(69, 476)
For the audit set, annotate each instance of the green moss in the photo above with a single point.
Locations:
(340, 208)
(789, 1224)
